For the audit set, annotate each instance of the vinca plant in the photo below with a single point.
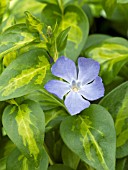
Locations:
(63, 85)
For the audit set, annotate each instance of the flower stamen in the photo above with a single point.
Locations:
(75, 89)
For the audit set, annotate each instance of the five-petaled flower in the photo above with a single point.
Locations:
(80, 85)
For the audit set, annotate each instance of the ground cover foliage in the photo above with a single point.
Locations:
(37, 131)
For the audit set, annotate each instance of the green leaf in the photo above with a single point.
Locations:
(93, 40)
(33, 23)
(84, 166)
(77, 36)
(48, 1)
(59, 166)
(109, 6)
(3, 164)
(8, 22)
(69, 158)
(62, 39)
(3, 7)
(56, 2)
(19, 7)
(51, 15)
(116, 82)
(26, 78)
(54, 144)
(25, 126)
(46, 100)
(54, 117)
(9, 57)
(6, 146)
(116, 103)
(112, 54)
(120, 164)
(20, 162)
(14, 38)
(74, 18)
(122, 1)
(88, 135)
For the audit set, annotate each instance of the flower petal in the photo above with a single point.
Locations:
(88, 70)
(94, 90)
(75, 103)
(58, 88)
(65, 68)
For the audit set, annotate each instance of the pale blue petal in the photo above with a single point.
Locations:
(65, 68)
(88, 70)
(58, 88)
(75, 103)
(94, 90)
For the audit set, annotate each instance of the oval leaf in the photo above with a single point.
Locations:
(20, 162)
(112, 54)
(24, 74)
(14, 38)
(88, 135)
(116, 103)
(25, 126)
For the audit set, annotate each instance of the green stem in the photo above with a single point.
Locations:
(61, 5)
(49, 155)
(43, 36)
(56, 53)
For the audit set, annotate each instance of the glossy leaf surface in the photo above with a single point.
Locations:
(116, 103)
(112, 54)
(24, 124)
(14, 38)
(88, 135)
(26, 78)
(20, 162)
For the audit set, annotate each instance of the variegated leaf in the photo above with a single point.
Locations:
(14, 38)
(6, 146)
(20, 162)
(33, 24)
(3, 6)
(112, 54)
(25, 126)
(24, 74)
(116, 102)
(91, 135)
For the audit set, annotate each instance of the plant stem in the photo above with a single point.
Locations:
(43, 36)
(49, 156)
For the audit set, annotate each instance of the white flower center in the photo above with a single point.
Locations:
(75, 89)
(75, 86)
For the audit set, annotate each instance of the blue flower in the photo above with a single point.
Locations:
(80, 85)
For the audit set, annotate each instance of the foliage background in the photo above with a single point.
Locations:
(35, 128)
